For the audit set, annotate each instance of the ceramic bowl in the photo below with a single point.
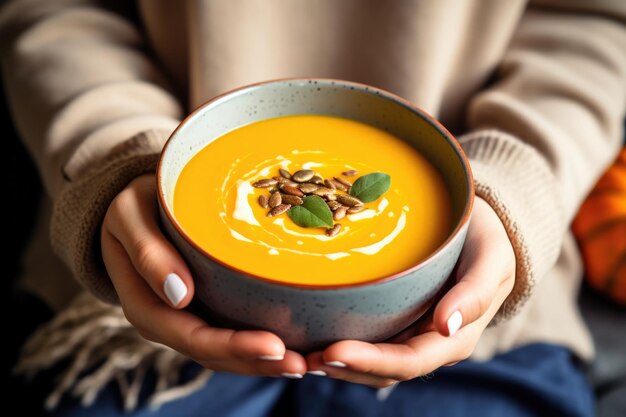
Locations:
(307, 317)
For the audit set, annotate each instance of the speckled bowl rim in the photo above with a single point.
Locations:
(469, 185)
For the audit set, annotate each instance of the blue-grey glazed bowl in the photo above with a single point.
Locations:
(308, 317)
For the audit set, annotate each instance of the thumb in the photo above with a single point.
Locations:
(484, 276)
(132, 219)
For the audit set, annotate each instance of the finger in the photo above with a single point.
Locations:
(384, 360)
(400, 362)
(464, 303)
(486, 265)
(417, 356)
(181, 330)
(132, 220)
(292, 366)
(317, 366)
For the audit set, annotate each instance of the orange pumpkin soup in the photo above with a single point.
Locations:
(217, 206)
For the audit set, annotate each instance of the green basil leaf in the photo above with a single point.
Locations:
(312, 213)
(371, 186)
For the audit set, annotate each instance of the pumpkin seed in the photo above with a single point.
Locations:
(303, 175)
(350, 172)
(263, 200)
(307, 187)
(338, 185)
(291, 199)
(355, 209)
(329, 184)
(323, 191)
(288, 189)
(265, 183)
(332, 232)
(280, 209)
(275, 199)
(281, 180)
(284, 173)
(348, 200)
(316, 180)
(333, 205)
(347, 183)
(340, 213)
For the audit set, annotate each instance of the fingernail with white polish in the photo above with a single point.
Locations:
(336, 364)
(174, 288)
(454, 322)
(318, 373)
(272, 357)
(291, 375)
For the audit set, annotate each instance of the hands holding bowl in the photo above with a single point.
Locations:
(342, 325)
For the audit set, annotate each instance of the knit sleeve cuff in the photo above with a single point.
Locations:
(518, 184)
(80, 207)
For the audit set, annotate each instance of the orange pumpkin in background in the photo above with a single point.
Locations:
(600, 228)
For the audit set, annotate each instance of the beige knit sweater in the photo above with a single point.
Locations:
(534, 90)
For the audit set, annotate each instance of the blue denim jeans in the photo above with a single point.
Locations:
(535, 380)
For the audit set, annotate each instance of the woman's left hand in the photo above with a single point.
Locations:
(485, 276)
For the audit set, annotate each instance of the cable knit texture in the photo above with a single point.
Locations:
(81, 206)
(504, 169)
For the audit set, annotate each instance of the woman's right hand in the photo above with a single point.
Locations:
(154, 284)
